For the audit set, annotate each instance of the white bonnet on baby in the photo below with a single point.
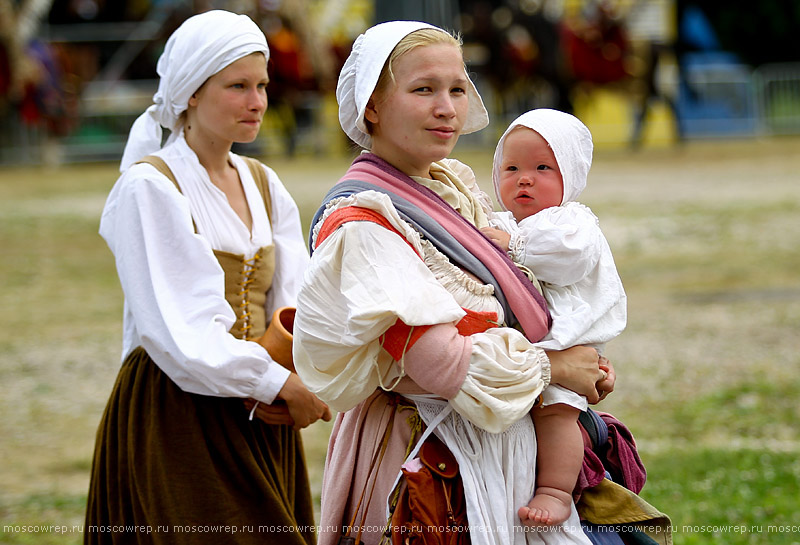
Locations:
(570, 141)
(363, 67)
(202, 46)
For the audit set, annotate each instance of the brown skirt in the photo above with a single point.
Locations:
(174, 467)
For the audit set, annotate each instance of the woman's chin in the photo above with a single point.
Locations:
(443, 150)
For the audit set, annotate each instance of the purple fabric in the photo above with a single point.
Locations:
(622, 455)
(619, 458)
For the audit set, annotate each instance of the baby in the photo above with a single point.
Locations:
(540, 168)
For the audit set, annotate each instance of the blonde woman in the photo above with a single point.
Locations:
(399, 305)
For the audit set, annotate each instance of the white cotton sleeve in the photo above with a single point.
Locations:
(555, 394)
(506, 375)
(570, 256)
(175, 306)
(504, 221)
(361, 280)
(562, 243)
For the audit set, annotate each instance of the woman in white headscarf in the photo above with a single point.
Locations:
(399, 309)
(207, 245)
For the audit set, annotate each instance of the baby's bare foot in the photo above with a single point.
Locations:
(548, 507)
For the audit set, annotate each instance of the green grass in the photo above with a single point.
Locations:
(727, 497)
(44, 519)
(709, 367)
(740, 411)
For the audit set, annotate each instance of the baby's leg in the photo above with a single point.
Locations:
(559, 460)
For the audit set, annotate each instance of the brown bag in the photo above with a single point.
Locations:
(432, 509)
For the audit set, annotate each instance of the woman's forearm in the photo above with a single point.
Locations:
(439, 360)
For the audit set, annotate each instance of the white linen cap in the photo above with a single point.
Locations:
(363, 67)
(570, 141)
(202, 46)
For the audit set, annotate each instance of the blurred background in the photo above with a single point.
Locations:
(694, 108)
(75, 73)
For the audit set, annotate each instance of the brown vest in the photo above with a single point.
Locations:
(247, 281)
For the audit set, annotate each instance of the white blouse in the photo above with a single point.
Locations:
(570, 256)
(362, 279)
(175, 306)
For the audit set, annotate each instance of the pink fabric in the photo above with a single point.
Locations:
(355, 436)
(534, 323)
(436, 364)
(621, 459)
(622, 455)
(439, 360)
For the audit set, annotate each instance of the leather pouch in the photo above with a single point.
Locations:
(431, 510)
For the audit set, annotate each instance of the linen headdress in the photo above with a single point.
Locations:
(570, 141)
(202, 46)
(361, 71)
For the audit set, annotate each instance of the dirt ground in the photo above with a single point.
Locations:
(706, 237)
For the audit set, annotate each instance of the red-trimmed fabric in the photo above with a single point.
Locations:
(399, 338)
(345, 214)
(528, 307)
(476, 322)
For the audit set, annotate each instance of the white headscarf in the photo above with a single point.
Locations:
(202, 46)
(570, 141)
(361, 71)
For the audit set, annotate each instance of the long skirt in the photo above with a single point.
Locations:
(175, 467)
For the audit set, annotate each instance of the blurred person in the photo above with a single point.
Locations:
(404, 320)
(651, 92)
(35, 86)
(207, 244)
(596, 44)
(541, 165)
(292, 81)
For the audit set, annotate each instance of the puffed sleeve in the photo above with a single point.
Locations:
(175, 305)
(561, 243)
(506, 374)
(494, 376)
(361, 280)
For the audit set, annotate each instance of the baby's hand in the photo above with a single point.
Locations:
(498, 236)
(606, 384)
